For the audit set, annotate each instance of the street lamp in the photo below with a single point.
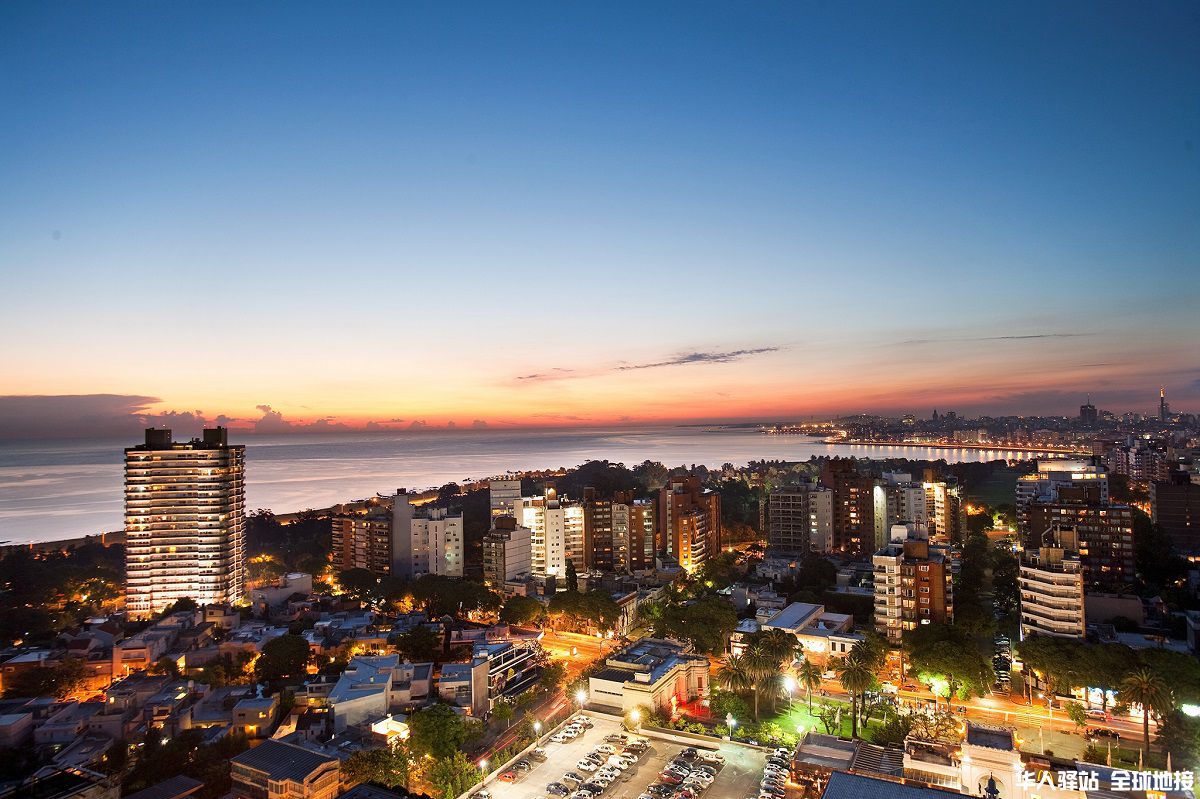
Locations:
(483, 764)
(581, 697)
(537, 728)
(730, 722)
(789, 683)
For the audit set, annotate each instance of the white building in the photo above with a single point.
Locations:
(557, 529)
(185, 522)
(503, 496)
(437, 544)
(898, 500)
(1051, 583)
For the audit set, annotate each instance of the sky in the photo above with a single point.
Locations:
(300, 216)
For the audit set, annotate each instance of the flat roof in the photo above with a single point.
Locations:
(795, 616)
(843, 785)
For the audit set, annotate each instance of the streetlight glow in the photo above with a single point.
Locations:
(636, 715)
(730, 721)
(537, 726)
(789, 683)
(483, 764)
(581, 696)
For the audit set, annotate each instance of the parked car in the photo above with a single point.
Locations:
(508, 776)
(586, 765)
(616, 738)
(522, 766)
(670, 778)
(538, 754)
(1098, 713)
(559, 738)
(557, 789)
(712, 757)
(572, 777)
(689, 753)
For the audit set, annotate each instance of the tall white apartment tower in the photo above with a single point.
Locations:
(185, 521)
(503, 496)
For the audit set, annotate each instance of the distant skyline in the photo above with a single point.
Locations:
(290, 217)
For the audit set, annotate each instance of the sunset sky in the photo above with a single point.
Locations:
(521, 214)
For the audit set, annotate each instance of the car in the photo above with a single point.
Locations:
(507, 776)
(616, 764)
(681, 764)
(689, 753)
(538, 754)
(773, 782)
(623, 761)
(586, 765)
(771, 789)
(1097, 713)
(616, 738)
(774, 767)
(670, 779)
(778, 762)
(522, 765)
(585, 721)
(701, 776)
(782, 751)
(1101, 732)
(595, 757)
(581, 795)
(712, 757)
(660, 791)
(559, 738)
(596, 785)
(607, 772)
(557, 789)
(607, 749)
(707, 769)
(695, 786)
(481, 795)
(685, 793)
(571, 776)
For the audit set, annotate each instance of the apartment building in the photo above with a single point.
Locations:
(1051, 585)
(800, 519)
(913, 583)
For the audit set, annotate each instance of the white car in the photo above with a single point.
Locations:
(607, 749)
(608, 772)
(559, 738)
(586, 765)
(700, 776)
(712, 757)
(571, 778)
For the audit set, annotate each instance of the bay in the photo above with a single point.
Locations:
(52, 490)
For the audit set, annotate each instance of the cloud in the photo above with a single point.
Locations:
(73, 415)
(479, 424)
(557, 373)
(729, 356)
(273, 423)
(418, 424)
(685, 359)
(451, 425)
(1022, 337)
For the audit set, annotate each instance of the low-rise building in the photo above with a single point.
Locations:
(282, 770)
(657, 673)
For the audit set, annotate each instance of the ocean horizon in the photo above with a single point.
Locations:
(59, 489)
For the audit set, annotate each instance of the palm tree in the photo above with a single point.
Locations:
(778, 645)
(763, 670)
(736, 676)
(856, 676)
(1150, 691)
(808, 676)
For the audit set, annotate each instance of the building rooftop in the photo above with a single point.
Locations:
(857, 786)
(176, 787)
(990, 737)
(795, 617)
(283, 761)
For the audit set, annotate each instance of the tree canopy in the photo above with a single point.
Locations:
(284, 657)
(707, 622)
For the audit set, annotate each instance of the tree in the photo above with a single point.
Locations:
(165, 665)
(856, 676)
(1077, 713)
(1149, 690)
(59, 681)
(571, 577)
(553, 674)
(828, 713)
(808, 676)
(436, 731)
(726, 703)
(737, 675)
(706, 622)
(521, 610)
(940, 726)
(965, 671)
(420, 644)
(360, 584)
(452, 775)
(387, 766)
(503, 713)
(283, 657)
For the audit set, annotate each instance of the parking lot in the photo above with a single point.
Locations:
(738, 779)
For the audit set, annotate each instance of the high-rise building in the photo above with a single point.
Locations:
(898, 499)
(185, 521)
(1141, 461)
(914, 583)
(1051, 584)
(633, 533)
(853, 505)
(1052, 475)
(944, 507)
(689, 519)
(800, 518)
(1104, 532)
(1164, 410)
(1175, 507)
(1088, 414)
(401, 539)
(557, 525)
(503, 496)
(507, 552)
(363, 541)
(598, 532)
